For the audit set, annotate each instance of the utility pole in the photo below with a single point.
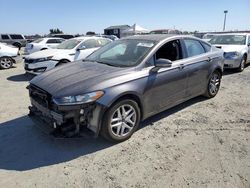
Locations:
(225, 19)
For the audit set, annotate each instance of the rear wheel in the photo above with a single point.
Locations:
(213, 85)
(121, 120)
(242, 64)
(6, 62)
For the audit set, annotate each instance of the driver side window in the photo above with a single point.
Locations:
(171, 51)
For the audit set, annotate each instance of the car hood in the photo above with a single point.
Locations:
(231, 48)
(47, 53)
(79, 77)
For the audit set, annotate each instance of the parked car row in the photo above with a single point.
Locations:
(114, 85)
(68, 51)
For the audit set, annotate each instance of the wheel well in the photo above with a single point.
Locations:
(17, 44)
(132, 97)
(245, 56)
(219, 70)
(62, 61)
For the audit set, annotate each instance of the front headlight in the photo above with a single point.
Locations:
(79, 99)
(231, 55)
(43, 59)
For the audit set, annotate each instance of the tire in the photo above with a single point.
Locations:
(242, 64)
(18, 45)
(213, 85)
(6, 62)
(121, 120)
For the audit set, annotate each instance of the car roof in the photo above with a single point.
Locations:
(159, 37)
(88, 37)
(233, 34)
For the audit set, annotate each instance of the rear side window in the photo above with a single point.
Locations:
(53, 41)
(16, 36)
(5, 37)
(102, 42)
(193, 47)
(206, 46)
(91, 43)
(248, 42)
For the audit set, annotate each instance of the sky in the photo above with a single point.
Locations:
(79, 16)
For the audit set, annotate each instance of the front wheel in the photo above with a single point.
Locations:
(121, 120)
(242, 65)
(6, 62)
(213, 85)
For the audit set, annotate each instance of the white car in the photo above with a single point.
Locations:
(7, 55)
(68, 51)
(236, 47)
(207, 37)
(42, 44)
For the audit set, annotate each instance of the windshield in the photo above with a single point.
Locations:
(122, 53)
(69, 44)
(229, 39)
(38, 40)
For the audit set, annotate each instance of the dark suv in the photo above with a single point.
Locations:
(13, 39)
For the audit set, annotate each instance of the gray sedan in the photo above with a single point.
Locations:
(123, 83)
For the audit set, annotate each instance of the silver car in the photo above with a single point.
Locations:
(236, 47)
(16, 40)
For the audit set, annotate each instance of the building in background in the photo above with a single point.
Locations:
(116, 30)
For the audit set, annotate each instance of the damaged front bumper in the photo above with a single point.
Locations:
(67, 121)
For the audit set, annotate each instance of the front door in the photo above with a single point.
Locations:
(167, 86)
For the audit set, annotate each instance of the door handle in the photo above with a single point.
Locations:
(181, 66)
(209, 59)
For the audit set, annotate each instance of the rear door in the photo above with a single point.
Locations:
(197, 65)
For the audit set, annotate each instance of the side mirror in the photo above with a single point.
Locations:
(248, 44)
(81, 48)
(163, 63)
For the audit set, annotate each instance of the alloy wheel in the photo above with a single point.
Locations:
(6, 63)
(214, 84)
(123, 120)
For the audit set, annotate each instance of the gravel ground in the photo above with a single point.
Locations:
(201, 143)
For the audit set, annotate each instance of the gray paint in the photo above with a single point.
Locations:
(156, 91)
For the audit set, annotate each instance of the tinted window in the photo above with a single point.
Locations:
(171, 51)
(193, 47)
(248, 40)
(91, 43)
(5, 37)
(52, 41)
(206, 46)
(16, 36)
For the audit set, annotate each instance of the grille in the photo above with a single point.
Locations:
(40, 96)
(28, 61)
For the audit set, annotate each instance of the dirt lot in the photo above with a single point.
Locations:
(201, 143)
